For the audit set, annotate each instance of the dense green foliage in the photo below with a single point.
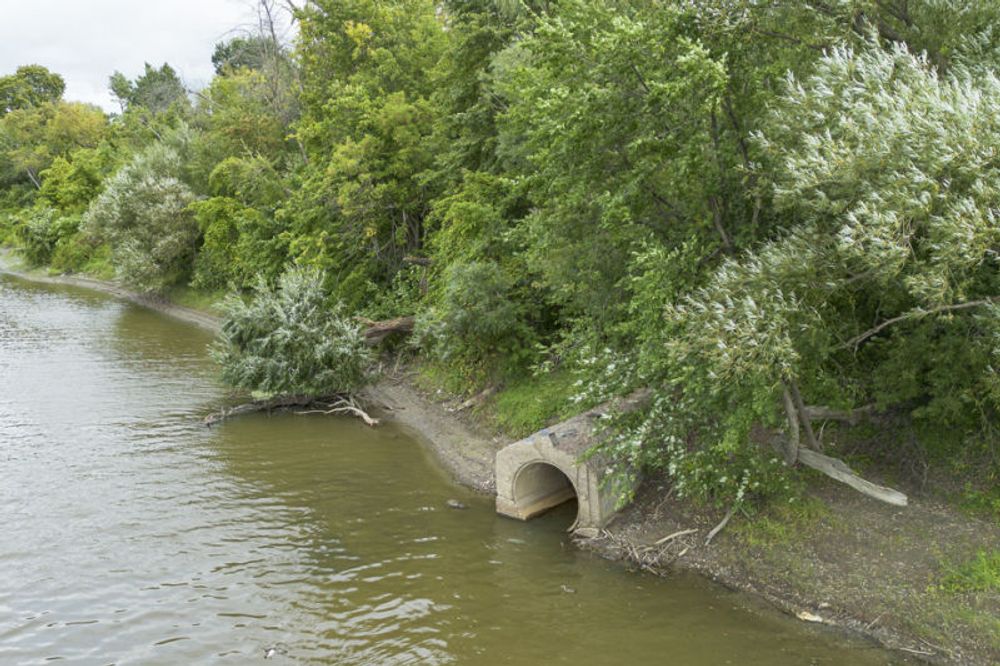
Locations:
(289, 340)
(724, 200)
(29, 86)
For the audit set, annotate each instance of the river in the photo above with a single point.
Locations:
(132, 534)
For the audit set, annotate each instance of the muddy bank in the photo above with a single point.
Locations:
(848, 562)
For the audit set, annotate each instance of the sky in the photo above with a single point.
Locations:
(87, 40)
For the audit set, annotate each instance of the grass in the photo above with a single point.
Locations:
(530, 403)
(980, 574)
(783, 523)
(206, 301)
(524, 404)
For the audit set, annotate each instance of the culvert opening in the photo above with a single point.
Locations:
(539, 487)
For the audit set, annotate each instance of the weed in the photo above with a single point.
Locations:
(784, 522)
(980, 574)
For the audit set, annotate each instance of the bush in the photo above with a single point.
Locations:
(144, 214)
(478, 317)
(289, 341)
(38, 232)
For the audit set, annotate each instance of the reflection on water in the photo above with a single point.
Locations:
(134, 535)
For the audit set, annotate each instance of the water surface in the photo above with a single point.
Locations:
(134, 535)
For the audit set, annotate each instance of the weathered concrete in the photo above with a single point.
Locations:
(547, 468)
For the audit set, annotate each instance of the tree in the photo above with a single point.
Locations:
(879, 289)
(239, 118)
(155, 90)
(251, 52)
(367, 117)
(29, 86)
(611, 111)
(31, 138)
(144, 214)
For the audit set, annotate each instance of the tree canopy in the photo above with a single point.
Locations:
(29, 86)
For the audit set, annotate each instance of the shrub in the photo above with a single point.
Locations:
(478, 317)
(144, 214)
(288, 340)
(39, 230)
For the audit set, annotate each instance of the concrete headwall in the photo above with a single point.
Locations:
(547, 468)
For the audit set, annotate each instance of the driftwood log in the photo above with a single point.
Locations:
(377, 331)
(837, 469)
(832, 467)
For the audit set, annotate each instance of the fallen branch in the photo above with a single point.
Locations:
(673, 536)
(718, 528)
(832, 467)
(377, 331)
(268, 405)
(335, 405)
(345, 405)
(837, 469)
(477, 399)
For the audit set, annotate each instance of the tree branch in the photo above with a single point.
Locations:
(800, 409)
(915, 314)
(849, 416)
(791, 450)
(836, 469)
(34, 179)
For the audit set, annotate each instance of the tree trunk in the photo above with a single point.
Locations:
(377, 331)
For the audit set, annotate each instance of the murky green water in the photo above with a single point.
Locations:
(133, 535)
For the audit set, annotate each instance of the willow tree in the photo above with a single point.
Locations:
(290, 345)
(878, 292)
(143, 213)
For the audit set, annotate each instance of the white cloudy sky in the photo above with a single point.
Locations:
(86, 40)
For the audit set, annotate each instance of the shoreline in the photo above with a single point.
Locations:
(466, 451)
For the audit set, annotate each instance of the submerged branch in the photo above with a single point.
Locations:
(283, 402)
(345, 405)
(341, 404)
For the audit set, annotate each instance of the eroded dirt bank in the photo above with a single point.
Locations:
(844, 560)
